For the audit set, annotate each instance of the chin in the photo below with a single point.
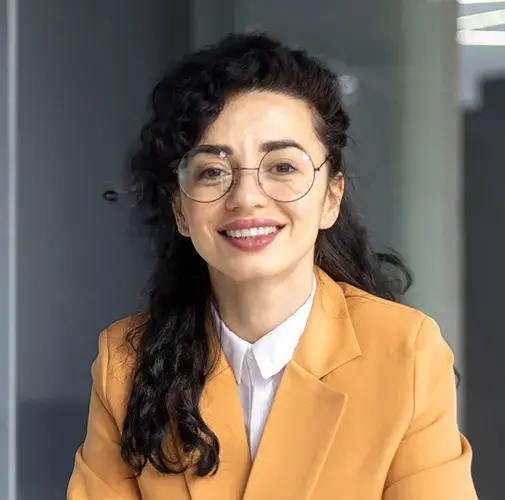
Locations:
(250, 269)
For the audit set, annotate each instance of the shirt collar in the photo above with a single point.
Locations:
(271, 352)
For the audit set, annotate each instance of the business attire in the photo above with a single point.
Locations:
(364, 409)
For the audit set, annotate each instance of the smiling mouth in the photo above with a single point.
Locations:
(252, 232)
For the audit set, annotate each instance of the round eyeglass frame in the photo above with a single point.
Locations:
(177, 170)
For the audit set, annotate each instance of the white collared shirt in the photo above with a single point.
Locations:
(258, 367)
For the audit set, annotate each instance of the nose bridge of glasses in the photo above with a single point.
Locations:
(240, 175)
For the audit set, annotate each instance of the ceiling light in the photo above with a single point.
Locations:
(486, 38)
(468, 2)
(482, 20)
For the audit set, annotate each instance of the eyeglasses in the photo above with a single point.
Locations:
(206, 174)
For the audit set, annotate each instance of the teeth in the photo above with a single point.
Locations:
(252, 232)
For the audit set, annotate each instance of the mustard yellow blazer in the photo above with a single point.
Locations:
(366, 410)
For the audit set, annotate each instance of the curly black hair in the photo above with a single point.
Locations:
(173, 346)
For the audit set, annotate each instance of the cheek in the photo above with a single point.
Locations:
(195, 218)
(305, 215)
(199, 218)
(308, 210)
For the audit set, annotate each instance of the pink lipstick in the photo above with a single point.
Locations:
(251, 235)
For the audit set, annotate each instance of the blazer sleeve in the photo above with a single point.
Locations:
(99, 472)
(433, 459)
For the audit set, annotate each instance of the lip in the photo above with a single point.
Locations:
(249, 223)
(251, 245)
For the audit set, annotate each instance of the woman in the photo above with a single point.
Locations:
(273, 362)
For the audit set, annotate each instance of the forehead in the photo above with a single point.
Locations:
(248, 120)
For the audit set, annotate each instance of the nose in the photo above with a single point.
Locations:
(246, 192)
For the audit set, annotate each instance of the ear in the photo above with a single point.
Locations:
(333, 199)
(180, 218)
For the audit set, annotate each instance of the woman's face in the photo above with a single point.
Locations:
(246, 235)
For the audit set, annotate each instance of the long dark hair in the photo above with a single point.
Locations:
(172, 346)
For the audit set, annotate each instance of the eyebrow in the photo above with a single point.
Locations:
(265, 147)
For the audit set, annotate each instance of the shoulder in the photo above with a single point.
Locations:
(387, 326)
(121, 337)
(363, 306)
(399, 345)
(115, 364)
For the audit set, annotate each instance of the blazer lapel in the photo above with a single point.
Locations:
(221, 411)
(306, 412)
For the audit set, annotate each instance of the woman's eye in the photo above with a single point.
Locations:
(283, 168)
(211, 173)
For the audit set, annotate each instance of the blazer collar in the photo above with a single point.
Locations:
(329, 339)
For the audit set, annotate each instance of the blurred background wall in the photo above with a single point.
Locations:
(426, 162)
(482, 102)
(5, 238)
(484, 170)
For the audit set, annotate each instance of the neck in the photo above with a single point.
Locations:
(251, 309)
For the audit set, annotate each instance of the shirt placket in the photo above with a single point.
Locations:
(258, 401)
(249, 384)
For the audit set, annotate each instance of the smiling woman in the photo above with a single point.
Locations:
(274, 360)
